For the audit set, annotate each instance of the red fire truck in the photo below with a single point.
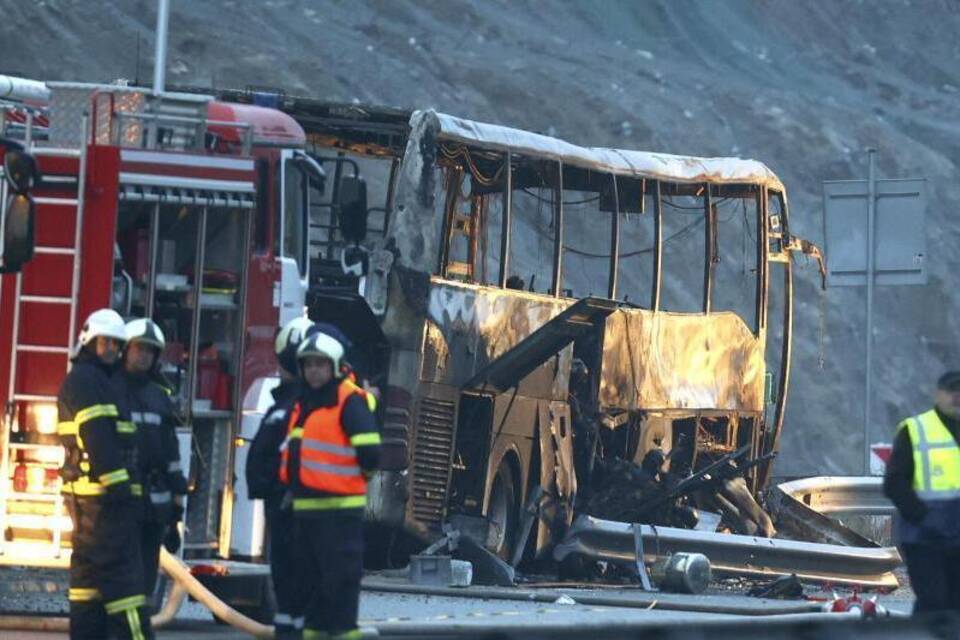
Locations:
(178, 207)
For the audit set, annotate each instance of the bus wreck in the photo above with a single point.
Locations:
(551, 322)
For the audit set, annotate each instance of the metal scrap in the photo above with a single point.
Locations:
(734, 554)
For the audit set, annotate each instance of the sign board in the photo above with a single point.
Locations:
(900, 241)
(879, 457)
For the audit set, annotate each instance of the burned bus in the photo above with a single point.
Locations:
(530, 308)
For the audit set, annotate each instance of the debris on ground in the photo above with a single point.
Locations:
(783, 588)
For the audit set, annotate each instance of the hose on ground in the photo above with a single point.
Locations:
(182, 576)
(170, 608)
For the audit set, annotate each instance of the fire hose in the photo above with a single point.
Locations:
(183, 579)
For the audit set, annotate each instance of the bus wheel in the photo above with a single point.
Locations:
(502, 512)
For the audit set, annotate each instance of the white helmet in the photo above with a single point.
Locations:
(102, 322)
(289, 339)
(146, 331)
(321, 345)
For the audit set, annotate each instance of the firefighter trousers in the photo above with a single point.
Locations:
(285, 572)
(151, 537)
(934, 575)
(106, 572)
(330, 551)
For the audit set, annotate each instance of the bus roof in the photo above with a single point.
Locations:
(642, 164)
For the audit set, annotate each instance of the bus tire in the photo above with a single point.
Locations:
(503, 512)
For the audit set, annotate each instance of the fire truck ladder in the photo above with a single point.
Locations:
(18, 394)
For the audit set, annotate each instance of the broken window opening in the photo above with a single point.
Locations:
(736, 271)
(587, 229)
(635, 268)
(684, 258)
(473, 220)
(533, 226)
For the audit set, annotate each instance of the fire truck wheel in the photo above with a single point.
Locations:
(503, 512)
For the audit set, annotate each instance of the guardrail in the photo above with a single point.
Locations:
(734, 554)
(839, 496)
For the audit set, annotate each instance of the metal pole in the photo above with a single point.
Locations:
(657, 247)
(154, 253)
(558, 233)
(871, 219)
(615, 241)
(505, 221)
(28, 133)
(160, 59)
(709, 256)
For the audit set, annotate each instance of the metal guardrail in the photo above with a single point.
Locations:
(735, 554)
(839, 496)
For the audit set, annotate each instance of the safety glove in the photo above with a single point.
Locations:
(171, 539)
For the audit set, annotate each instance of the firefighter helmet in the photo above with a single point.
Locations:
(102, 322)
(320, 345)
(146, 331)
(289, 339)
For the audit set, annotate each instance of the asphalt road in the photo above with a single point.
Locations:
(475, 609)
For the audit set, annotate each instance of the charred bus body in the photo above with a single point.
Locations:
(532, 308)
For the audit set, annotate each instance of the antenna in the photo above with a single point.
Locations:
(136, 73)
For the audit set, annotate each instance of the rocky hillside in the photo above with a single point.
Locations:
(804, 86)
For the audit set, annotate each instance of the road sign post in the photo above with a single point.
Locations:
(874, 233)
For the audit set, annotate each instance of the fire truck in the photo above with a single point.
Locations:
(179, 207)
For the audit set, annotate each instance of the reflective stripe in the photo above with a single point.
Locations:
(314, 634)
(173, 467)
(295, 434)
(94, 412)
(159, 497)
(311, 444)
(146, 417)
(126, 426)
(136, 489)
(82, 487)
(124, 604)
(332, 469)
(133, 621)
(365, 439)
(326, 504)
(924, 447)
(68, 429)
(371, 402)
(114, 477)
(82, 594)
(933, 495)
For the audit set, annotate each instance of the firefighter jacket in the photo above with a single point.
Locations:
(263, 459)
(936, 481)
(148, 404)
(97, 434)
(332, 445)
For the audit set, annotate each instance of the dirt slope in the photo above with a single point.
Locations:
(804, 86)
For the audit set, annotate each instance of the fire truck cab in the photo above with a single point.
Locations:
(181, 208)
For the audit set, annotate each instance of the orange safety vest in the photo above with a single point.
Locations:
(328, 462)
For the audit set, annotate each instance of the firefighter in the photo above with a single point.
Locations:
(263, 465)
(101, 483)
(923, 481)
(145, 395)
(332, 448)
